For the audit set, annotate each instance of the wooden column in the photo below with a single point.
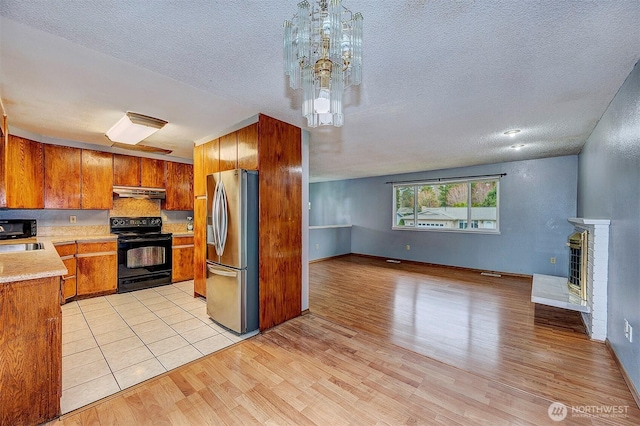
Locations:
(280, 163)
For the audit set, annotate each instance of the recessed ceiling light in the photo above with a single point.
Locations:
(512, 132)
(517, 146)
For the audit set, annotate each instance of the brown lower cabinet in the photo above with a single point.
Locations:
(97, 267)
(30, 351)
(182, 254)
(67, 253)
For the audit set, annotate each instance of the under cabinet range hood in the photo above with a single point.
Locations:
(139, 192)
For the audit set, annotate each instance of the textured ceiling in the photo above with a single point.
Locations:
(442, 80)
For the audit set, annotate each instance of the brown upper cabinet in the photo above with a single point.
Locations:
(212, 157)
(126, 170)
(179, 186)
(248, 147)
(137, 171)
(62, 177)
(153, 173)
(237, 150)
(229, 152)
(97, 180)
(21, 174)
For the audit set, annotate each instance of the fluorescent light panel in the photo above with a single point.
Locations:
(133, 128)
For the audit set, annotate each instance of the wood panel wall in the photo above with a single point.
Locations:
(280, 164)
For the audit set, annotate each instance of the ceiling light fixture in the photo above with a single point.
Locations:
(512, 133)
(133, 128)
(323, 55)
(517, 146)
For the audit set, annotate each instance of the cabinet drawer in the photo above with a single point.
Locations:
(182, 241)
(97, 247)
(70, 264)
(66, 249)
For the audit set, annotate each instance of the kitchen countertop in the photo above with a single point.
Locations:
(61, 239)
(30, 265)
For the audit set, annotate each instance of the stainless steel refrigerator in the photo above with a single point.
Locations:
(232, 249)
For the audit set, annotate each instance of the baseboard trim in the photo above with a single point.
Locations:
(460, 268)
(322, 259)
(623, 371)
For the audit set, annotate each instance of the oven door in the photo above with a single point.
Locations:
(143, 262)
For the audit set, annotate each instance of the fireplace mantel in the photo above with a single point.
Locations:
(594, 222)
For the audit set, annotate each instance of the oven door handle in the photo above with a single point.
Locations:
(145, 240)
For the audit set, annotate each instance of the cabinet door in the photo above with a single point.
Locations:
(248, 147)
(24, 174)
(211, 156)
(31, 351)
(179, 186)
(69, 284)
(126, 170)
(229, 152)
(153, 173)
(200, 247)
(61, 177)
(199, 178)
(97, 267)
(182, 268)
(96, 273)
(97, 180)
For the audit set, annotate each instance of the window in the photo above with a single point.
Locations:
(455, 205)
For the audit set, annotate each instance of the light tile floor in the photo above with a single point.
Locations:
(113, 342)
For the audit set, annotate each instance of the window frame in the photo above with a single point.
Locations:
(469, 220)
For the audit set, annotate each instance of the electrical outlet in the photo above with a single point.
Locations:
(408, 247)
(552, 260)
(72, 219)
(317, 246)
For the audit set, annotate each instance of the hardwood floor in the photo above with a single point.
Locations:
(484, 325)
(399, 344)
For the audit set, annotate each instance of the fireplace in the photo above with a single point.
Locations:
(578, 264)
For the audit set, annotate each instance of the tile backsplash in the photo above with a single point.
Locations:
(132, 207)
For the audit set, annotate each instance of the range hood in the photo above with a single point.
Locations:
(139, 192)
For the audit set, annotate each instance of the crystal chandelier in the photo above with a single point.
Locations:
(323, 55)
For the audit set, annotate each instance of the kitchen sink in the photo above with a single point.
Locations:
(11, 248)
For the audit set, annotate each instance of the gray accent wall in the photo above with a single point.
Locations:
(536, 198)
(609, 188)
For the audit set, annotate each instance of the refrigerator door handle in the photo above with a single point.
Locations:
(224, 273)
(224, 217)
(214, 219)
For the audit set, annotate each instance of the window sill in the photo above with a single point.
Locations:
(457, 231)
